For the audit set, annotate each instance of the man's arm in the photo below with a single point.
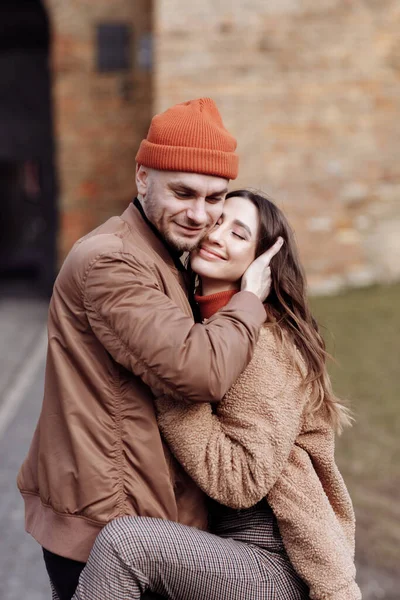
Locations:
(148, 334)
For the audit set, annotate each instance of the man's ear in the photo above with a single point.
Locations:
(142, 179)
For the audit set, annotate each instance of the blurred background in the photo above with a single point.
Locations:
(311, 90)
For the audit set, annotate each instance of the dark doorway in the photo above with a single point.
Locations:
(28, 225)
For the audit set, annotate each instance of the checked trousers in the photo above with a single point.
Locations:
(243, 559)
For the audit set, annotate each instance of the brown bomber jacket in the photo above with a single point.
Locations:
(120, 328)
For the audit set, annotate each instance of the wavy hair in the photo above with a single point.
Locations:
(288, 308)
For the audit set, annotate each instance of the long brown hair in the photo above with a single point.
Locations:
(288, 307)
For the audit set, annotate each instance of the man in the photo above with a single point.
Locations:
(120, 330)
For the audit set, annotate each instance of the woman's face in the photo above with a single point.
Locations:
(230, 247)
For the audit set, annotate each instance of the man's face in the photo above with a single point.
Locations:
(183, 206)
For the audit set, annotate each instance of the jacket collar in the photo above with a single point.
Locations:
(136, 218)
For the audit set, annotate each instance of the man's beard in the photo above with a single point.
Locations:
(178, 244)
(181, 245)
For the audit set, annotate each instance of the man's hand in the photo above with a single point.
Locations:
(257, 278)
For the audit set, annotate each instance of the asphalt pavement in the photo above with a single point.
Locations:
(22, 356)
(22, 362)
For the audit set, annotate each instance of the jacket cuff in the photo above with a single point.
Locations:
(351, 591)
(249, 303)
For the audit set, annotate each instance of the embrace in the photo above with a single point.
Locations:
(185, 447)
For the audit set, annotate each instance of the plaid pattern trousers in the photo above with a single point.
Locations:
(133, 555)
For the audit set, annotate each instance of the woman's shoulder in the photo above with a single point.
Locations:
(276, 344)
(270, 371)
(271, 358)
(274, 339)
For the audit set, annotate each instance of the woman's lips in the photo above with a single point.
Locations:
(209, 254)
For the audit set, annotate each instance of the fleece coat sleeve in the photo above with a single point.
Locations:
(237, 453)
(314, 538)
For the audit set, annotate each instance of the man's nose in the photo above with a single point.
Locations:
(196, 213)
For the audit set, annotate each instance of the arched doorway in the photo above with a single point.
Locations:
(28, 224)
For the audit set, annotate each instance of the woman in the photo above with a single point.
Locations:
(282, 524)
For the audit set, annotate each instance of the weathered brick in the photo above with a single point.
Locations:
(311, 91)
(100, 118)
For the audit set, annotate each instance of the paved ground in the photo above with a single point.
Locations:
(22, 348)
(22, 326)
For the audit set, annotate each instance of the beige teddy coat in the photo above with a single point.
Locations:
(260, 442)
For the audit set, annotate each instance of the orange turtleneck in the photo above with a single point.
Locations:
(209, 305)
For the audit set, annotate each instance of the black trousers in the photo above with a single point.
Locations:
(64, 574)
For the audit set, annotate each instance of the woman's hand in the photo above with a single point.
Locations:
(257, 278)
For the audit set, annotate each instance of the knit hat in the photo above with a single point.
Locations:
(190, 137)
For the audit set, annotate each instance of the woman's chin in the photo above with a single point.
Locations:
(205, 273)
(201, 267)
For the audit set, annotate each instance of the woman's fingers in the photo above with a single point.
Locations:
(270, 253)
(257, 279)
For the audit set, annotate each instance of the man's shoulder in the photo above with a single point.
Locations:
(104, 247)
(111, 239)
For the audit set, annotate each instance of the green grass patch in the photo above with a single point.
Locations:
(362, 332)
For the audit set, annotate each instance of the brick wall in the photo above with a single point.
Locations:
(100, 118)
(312, 92)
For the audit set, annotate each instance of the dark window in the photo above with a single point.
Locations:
(114, 47)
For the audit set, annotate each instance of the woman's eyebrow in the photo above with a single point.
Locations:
(241, 224)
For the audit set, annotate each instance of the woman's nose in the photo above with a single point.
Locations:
(216, 236)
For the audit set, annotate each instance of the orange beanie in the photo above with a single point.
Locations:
(190, 137)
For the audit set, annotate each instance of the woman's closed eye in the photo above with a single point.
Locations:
(237, 235)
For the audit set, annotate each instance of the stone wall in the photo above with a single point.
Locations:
(100, 118)
(312, 92)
